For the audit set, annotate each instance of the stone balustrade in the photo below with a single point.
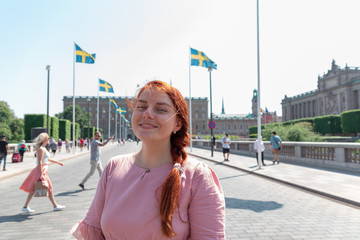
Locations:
(340, 156)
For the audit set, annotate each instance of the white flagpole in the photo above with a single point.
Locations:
(109, 120)
(190, 112)
(258, 93)
(74, 99)
(97, 112)
(120, 127)
(115, 124)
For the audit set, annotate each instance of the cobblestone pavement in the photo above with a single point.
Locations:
(255, 208)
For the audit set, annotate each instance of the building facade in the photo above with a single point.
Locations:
(337, 91)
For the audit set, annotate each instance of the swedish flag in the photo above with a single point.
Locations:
(112, 102)
(105, 86)
(121, 111)
(199, 58)
(82, 56)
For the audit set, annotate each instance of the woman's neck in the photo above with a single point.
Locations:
(153, 155)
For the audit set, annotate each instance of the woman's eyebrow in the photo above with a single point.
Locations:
(163, 103)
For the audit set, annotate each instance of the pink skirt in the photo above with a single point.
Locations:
(34, 176)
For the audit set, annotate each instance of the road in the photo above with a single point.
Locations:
(255, 208)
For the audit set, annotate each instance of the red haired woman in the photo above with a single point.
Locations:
(158, 192)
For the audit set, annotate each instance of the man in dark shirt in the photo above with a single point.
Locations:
(4, 150)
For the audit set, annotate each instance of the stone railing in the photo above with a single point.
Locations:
(341, 156)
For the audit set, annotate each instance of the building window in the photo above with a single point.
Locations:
(90, 109)
(343, 98)
(197, 127)
(83, 109)
(203, 115)
(196, 109)
(229, 126)
(203, 126)
(196, 115)
(234, 126)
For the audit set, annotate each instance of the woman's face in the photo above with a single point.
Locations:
(154, 117)
(46, 141)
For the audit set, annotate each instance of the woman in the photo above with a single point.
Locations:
(275, 145)
(39, 173)
(59, 145)
(157, 193)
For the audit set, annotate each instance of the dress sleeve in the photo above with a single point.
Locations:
(90, 227)
(207, 206)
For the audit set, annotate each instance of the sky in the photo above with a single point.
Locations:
(140, 40)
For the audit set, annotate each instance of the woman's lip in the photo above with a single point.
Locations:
(147, 125)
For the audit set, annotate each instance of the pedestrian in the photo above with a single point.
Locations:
(40, 173)
(22, 149)
(53, 145)
(4, 151)
(226, 146)
(275, 145)
(119, 142)
(59, 145)
(81, 144)
(95, 161)
(256, 147)
(67, 146)
(158, 192)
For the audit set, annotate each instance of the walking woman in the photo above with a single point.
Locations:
(39, 173)
(158, 192)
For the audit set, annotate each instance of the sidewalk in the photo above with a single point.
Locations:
(29, 162)
(341, 186)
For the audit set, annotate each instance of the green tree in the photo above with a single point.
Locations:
(17, 129)
(5, 129)
(6, 114)
(80, 117)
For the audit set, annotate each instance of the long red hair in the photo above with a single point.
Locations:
(170, 193)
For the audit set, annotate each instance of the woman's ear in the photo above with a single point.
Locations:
(178, 126)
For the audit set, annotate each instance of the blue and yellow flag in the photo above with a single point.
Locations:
(121, 111)
(82, 56)
(105, 86)
(112, 102)
(267, 111)
(199, 58)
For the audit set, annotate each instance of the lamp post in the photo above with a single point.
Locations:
(103, 122)
(88, 139)
(48, 68)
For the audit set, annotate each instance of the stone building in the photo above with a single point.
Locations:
(337, 91)
(89, 104)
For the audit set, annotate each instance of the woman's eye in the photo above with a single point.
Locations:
(162, 110)
(140, 107)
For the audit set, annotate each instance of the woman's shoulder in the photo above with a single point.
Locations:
(196, 167)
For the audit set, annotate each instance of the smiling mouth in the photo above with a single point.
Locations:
(147, 126)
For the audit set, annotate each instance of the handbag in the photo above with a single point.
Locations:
(40, 190)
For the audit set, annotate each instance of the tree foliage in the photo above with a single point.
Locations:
(10, 126)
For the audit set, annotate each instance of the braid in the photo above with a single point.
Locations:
(171, 187)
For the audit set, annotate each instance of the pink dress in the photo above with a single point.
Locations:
(35, 175)
(126, 204)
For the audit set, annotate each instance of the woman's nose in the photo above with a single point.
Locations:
(148, 113)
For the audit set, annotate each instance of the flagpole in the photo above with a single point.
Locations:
(258, 93)
(211, 130)
(190, 110)
(116, 124)
(120, 126)
(109, 120)
(97, 114)
(74, 99)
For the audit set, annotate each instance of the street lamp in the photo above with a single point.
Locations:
(48, 68)
(103, 120)
(88, 139)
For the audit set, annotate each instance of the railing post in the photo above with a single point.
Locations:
(297, 151)
(339, 154)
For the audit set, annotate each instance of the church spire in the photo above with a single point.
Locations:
(223, 109)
